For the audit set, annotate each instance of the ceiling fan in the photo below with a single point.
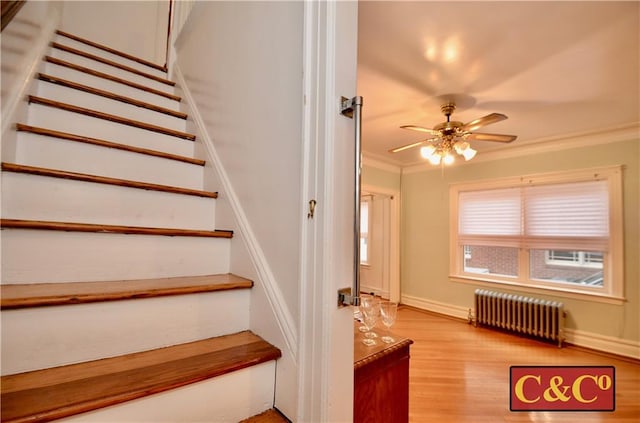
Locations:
(453, 135)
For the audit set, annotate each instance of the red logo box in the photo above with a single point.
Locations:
(562, 388)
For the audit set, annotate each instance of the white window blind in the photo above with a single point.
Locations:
(490, 212)
(576, 215)
(561, 216)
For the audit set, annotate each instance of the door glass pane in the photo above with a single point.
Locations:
(567, 266)
(487, 260)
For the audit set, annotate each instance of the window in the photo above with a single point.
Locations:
(364, 232)
(558, 231)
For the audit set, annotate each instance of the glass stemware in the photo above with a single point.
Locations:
(357, 312)
(369, 319)
(370, 308)
(388, 311)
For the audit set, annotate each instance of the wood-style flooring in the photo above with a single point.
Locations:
(460, 374)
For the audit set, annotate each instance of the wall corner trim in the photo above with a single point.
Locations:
(274, 294)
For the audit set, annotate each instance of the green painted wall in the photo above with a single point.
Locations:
(380, 178)
(425, 233)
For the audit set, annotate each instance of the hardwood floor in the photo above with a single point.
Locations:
(460, 374)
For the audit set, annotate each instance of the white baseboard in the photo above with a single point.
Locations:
(594, 341)
(603, 343)
(435, 306)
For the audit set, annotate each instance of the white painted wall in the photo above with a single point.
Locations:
(241, 63)
(22, 43)
(134, 27)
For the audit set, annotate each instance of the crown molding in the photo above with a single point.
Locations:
(610, 135)
(371, 161)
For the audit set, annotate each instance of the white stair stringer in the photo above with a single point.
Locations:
(56, 153)
(65, 121)
(44, 198)
(228, 398)
(43, 337)
(41, 256)
(106, 105)
(61, 39)
(108, 85)
(112, 70)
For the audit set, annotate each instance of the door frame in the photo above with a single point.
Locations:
(394, 237)
(326, 330)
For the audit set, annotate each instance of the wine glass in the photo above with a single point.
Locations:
(369, 319)
(388, 311)
(357, 311)
(370, 309)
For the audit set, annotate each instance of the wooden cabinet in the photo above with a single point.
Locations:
(381, 380)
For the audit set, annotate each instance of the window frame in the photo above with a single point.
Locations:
(613, 260)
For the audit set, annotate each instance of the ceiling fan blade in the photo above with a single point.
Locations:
(421, 129)
(408, 146)
(491, 137)
(483, 121)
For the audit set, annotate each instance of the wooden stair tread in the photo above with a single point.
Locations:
(112, 229)
(105, 143)
(103, 75)
(111, 63)
(84, 177)
(15, 296)
(110, 95)
(112, 118)
(269, 416)
(112, 51)
(58, 392)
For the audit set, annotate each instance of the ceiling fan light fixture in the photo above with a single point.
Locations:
(461, 147)
(448, 158)
(427, 151)
(434, 159)
(450, 137)
(469, 153)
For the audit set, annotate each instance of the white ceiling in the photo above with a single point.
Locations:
(556, 69)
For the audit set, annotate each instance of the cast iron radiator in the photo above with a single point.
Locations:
(529, 316)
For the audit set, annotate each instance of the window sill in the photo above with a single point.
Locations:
(566, 293)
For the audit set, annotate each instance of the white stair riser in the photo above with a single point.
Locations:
(228, 398)
(32, 256)
(108, 85)
(75, 123)
(45, 337)
(35, 197)
(109, 56)
(112, 70)
(56, 153)
(106, 105)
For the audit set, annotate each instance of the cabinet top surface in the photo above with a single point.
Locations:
(363, 353)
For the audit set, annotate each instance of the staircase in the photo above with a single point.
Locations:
(117, 301)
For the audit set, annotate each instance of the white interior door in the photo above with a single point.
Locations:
(381, 273)
(326, 332)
